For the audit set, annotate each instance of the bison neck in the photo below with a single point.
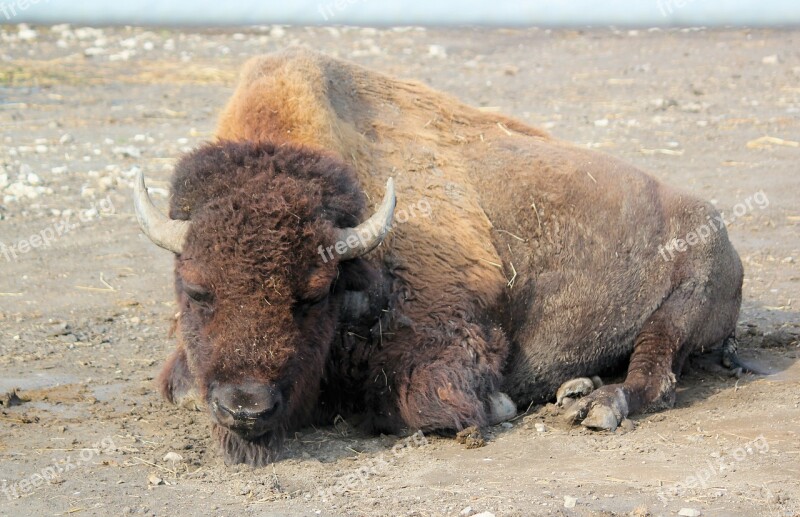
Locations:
(365, 317)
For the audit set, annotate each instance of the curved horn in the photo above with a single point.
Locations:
(368, 235)
(162, 230)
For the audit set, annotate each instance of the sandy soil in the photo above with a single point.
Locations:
(84, 320)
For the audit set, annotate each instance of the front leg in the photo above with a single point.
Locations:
(442, 379)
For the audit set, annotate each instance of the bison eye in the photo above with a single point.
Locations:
(198, 294)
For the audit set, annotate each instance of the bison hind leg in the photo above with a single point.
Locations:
(689, 319)
(176, 382)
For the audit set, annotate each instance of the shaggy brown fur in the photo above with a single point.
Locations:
(420, 332)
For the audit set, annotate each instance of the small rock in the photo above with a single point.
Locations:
(26, 34)
(33, 179)
(627, 424)
(471, 437)
(569, 501)
(466, 511)
(484, 514)
(770, 60)
(540, 427)
(66, 138)
(507, 425)
(19, 190)
(174, 457)
(154, 480)
(689, 512)
(128, 151)
(603, 122)
(437, 51)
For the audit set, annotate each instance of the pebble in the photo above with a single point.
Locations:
(569, 501)
(19, 190)
(437, 51)
(26, 34)
(689, 512)
(130, 151)
(94, 51)
(507, 425)
(466, 511)
(540, 427)
(484, 514)
(153, 479)
(174, 457)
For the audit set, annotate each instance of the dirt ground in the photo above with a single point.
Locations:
(86, 300)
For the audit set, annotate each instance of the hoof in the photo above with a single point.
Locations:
(601, 418)
(501, 408)
(576, 388)
(603, 409)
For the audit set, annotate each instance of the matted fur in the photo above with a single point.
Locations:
(418, 333)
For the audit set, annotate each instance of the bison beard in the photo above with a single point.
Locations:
(537, 270)
(256, 452)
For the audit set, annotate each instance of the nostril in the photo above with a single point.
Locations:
(259, 411)
(224, 414)
(247, 405)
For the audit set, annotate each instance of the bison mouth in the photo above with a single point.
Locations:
(248, 419)
(256, 451)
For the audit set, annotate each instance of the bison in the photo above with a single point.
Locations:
(537, 265)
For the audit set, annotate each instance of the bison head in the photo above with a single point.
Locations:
(259, 303)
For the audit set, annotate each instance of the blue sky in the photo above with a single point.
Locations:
(405, 12)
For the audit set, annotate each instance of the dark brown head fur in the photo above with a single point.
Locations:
(256, 298)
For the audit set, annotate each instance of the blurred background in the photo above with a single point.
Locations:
(407, 12)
